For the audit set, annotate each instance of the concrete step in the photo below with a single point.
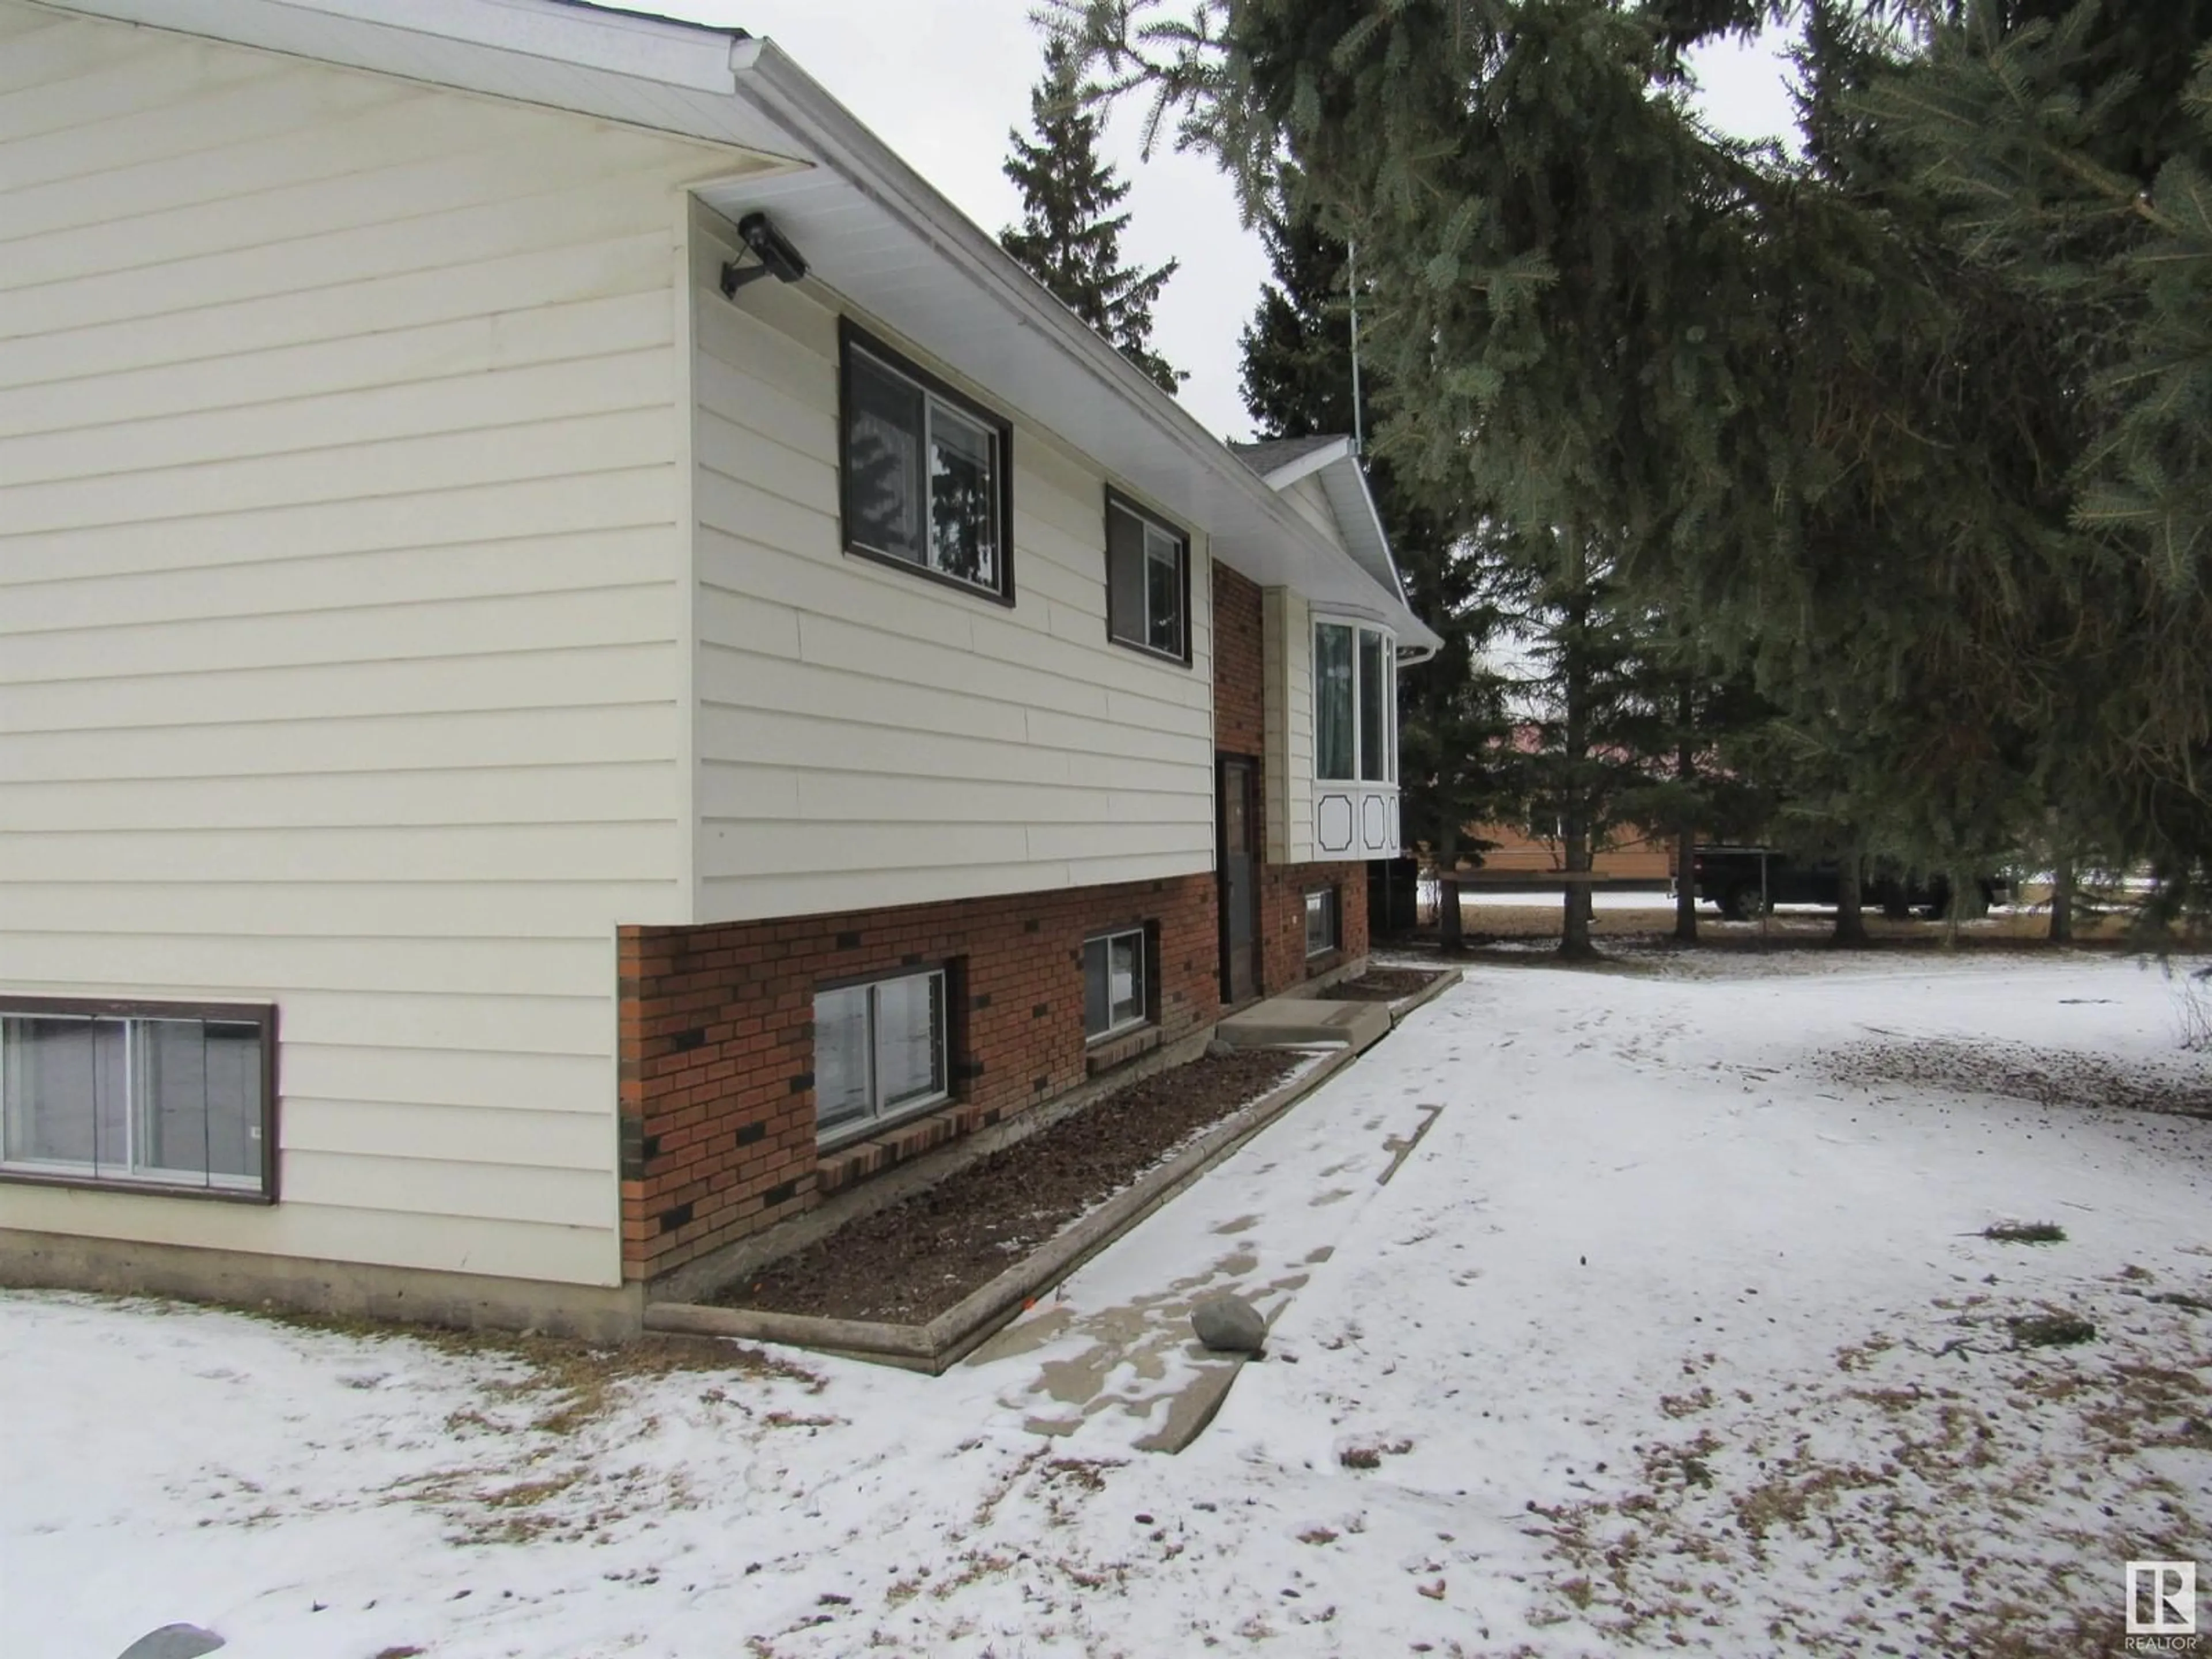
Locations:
(1301, 1021)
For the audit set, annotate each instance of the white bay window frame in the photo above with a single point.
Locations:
(1361, 764)
(1355, 739)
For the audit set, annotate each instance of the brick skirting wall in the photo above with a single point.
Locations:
(1239, 647)
(717, 1041)
(1283, 890)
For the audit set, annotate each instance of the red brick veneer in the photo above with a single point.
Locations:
(1239, 656)
(717, 1043)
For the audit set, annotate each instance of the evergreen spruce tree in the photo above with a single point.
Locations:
(1070, 237)
(1911, 433)
(1297, 370)
(2065, 150)
(1297, 381)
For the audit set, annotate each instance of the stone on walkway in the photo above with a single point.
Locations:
(1229, 1324)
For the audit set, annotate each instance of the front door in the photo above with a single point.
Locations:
(1240, 883)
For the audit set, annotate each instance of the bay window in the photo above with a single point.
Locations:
(1355, 704)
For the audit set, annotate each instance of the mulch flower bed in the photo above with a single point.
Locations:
(1380, 985)
(910, 1262)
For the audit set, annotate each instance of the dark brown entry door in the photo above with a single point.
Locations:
(1240, 883)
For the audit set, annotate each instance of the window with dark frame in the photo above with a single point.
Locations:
(165, 1096)
(1323, 922)
(1116, 983)
(1148, 581)
(879, 1052)
(927, 474)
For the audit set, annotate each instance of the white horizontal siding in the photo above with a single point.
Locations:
(868, 738)
(341, 586)
(1286, 623)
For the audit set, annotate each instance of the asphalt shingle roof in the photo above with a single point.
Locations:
(1271, 454)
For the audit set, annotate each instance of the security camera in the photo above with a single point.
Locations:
(778, 257)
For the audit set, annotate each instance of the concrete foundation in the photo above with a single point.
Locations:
(58, 1261)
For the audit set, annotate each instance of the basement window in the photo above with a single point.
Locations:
(169, 1097)
(1323, 922)
(878, 1052)
(1116, 983)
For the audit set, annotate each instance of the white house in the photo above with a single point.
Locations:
(531, 746)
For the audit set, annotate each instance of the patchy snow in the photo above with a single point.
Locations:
(1674, 1332)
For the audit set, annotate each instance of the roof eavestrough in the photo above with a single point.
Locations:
(1052, 364)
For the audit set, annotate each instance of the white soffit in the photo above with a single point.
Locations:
(871, 229)
(1349, 498)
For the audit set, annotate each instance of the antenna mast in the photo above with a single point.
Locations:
(1351, 286)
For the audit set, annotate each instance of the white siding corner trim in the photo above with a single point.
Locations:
(1287, 728)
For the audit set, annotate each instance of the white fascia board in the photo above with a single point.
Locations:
(1308, 464)
(1345, 483)
(843, 141)
(659, 49)
(826, 131)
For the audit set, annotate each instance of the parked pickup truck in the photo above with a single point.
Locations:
(1744, 880)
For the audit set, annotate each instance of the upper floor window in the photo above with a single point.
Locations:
(927, 472)
(1355, 704)
(174, 1097)
(1148, 581)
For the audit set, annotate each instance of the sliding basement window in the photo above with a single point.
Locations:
(878, 1052)
(161, 1096)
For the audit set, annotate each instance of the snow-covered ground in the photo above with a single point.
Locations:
(1675, 1332)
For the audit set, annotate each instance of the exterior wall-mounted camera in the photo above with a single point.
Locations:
(778, 257)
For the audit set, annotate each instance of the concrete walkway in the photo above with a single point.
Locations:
(1110, 1362)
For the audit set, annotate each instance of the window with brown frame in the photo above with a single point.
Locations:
(174, 1097)
(927, 475)
(1148, 581)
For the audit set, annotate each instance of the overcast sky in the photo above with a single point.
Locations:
(942, 81)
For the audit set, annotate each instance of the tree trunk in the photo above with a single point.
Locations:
(1574, 817)
(1451, 933)
(2062, 900)
(1850, 908)
(1685, 886)
(1685, 839)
